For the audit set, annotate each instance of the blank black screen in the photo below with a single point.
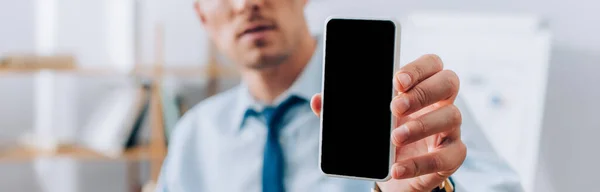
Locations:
(356, 116)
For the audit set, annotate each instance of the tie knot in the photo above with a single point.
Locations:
(268, 113)
(274, 114)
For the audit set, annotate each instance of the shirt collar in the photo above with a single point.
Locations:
(307, 84)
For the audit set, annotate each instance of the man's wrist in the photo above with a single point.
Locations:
(446, 186)
(375, 187)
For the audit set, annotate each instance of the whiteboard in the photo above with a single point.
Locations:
(502, 61)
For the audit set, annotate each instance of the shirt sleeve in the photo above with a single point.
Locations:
(173, 176)
(483, 169)
(161, 184)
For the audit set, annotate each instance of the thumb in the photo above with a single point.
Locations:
(315, 104)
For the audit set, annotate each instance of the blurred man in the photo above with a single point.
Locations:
(226, 144)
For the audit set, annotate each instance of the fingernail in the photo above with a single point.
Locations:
(400, 105)
(404, 80)
(400, 135)
(400, 171)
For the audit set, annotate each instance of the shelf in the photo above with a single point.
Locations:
(77, 71)
(79, 153)
(148, 71)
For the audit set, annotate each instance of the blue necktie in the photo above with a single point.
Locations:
(273, 162)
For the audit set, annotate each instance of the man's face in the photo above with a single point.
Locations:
(254, 33)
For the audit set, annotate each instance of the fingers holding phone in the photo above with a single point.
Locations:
(427, 138)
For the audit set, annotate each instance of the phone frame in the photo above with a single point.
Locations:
(394, 93)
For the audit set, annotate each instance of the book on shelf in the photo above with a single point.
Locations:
(171, 105)
(114, 125)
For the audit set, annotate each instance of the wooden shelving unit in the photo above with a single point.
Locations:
(155, 150)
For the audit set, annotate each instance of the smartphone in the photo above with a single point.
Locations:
(359, 58)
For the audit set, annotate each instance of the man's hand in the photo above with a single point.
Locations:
(427, 134)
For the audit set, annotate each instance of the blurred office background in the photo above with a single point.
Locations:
(91, 89)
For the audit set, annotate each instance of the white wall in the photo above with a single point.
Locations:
(16, 36)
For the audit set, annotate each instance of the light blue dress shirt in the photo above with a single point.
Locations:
(216, 148)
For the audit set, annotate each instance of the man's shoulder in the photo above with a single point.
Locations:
(207, 114)
(212, 109)
(220, 102)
